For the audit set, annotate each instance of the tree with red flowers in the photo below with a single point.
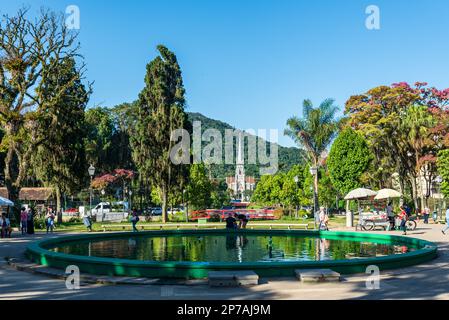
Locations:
(405, 127)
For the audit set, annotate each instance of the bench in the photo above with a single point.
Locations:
(317, 275)
(199, 225)
(233, 278)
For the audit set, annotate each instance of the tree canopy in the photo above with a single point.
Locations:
(348, 160)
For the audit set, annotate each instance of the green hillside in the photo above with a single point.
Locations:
(287, 156)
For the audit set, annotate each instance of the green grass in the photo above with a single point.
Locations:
(334, 222)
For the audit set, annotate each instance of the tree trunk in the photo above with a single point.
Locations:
(315, 193)
(164, 204)
(414, 192)
(58, 205)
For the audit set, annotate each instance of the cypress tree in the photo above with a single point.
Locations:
(160, 111)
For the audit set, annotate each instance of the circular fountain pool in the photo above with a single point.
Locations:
(194, 253)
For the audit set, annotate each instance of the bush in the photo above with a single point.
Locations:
(75, 220)
(278, 213)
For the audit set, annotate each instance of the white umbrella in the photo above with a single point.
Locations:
(360, 193)
(6, 202)
(387, 194)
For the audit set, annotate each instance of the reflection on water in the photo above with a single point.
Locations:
(230, 248)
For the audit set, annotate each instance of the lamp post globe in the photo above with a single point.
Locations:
(91, 171)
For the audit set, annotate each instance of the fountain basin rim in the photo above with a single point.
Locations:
(37, 252)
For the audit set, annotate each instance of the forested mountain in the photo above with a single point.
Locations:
(287, 156)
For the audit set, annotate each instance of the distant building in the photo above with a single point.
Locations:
(40, 197)
(239, 183)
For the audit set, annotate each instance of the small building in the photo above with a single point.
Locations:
(39, 197)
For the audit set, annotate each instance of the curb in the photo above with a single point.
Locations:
(25, 266)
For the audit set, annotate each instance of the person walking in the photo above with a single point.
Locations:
(50, 220)
(30, 221)
(134, 220)
(88, 223)
(323, 219)
(447, 221)
(404, 217)
(426, 215)
(23, 221)
(390, 215)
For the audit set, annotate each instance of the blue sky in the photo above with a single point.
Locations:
(251, 62)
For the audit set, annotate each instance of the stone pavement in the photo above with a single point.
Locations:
(426, 281)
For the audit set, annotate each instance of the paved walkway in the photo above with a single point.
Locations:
(425, 281)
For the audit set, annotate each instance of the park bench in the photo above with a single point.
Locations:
(317, 275)
(199, 225)
(233, 278)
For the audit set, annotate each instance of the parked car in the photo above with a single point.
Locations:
(71, 212)
(156, 211)
(101, 208)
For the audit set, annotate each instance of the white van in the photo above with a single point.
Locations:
(101, 208)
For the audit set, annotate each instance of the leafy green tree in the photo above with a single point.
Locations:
(314, 132)
(327, 193)
(60, 159)
(124, 119)
(415, 128)
(404, 126)
(160, 111)
(443, 170)
(348, 160)
(220, 195)
(31, 51)
(99, 140)
(199, 187)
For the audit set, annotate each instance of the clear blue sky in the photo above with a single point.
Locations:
(251, 62)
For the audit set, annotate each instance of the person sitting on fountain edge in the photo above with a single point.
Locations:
(243, 220)
(231, 222)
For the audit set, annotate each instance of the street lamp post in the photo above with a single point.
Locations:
(438, 180)
(296, 179)
(130, 200)
(91, 171)
(184, 202)
(314, 173)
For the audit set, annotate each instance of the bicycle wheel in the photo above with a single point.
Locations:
(411, 225)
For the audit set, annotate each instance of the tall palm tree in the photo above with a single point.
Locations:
(415, 127)
(314, 132)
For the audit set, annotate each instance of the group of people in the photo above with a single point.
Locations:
(232, 218)
(26, 221)
(403, 216)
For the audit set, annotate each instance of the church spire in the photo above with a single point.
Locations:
(240, 158)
